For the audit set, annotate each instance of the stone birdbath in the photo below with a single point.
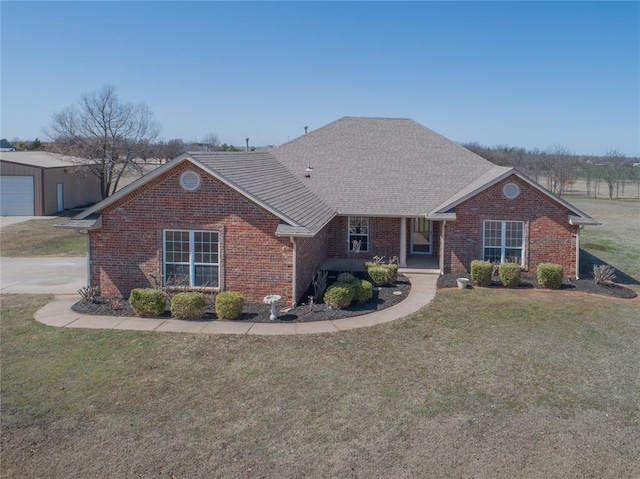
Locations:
(273, 300)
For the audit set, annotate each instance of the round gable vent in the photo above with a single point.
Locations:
(511, 190)
(190, 180)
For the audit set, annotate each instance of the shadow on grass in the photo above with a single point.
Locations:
(588, 261)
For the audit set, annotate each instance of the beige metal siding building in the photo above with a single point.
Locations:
(40, 183)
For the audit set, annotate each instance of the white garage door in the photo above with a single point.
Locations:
(16, 196)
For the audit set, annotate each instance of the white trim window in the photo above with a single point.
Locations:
(191, 258)
(358, 233)
(503, 241)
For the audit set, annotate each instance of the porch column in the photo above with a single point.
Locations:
(403, 243)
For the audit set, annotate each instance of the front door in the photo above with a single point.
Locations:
(421, 236)
(60, 195)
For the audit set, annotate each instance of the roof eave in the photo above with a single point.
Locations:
(582, 221)
(82, 224)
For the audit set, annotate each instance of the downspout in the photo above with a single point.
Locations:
(88, 259)
(578, 252)
(442, 246)
(294, 286)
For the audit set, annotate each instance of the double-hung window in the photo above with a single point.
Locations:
(191, 258)
(504, 241)
(358, 233)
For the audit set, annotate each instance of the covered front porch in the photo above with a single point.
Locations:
(415, 263)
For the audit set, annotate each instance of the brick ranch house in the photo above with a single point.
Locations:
(264, 222)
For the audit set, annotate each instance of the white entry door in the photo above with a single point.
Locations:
(60, 192)
(421, 237)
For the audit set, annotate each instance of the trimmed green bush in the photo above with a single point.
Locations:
(481, 272)
(510, 274)
(378, 275)
(549, 275)
(339, 295)
(188, 305)
(346, 278)
(147, 301)
(364, 291)
(229, 305)
(393, 272)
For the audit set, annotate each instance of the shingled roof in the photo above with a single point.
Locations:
(256, 175)
(381, 166)
(260, 176)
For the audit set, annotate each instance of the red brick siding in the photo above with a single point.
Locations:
(548, 235)
(384, 237)
(310, 254)
(127, 252)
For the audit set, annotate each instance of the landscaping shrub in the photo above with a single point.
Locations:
(339, 295)
(147, 302)
(229, 305)
(379, 275)
(481, 272)
(89, 294)
(346, 278)
(188, 305)
(393, 272)
(510, 274)
(549, 275)
(364, 291)
(603, 274)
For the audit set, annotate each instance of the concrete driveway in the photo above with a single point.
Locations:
(60, 275)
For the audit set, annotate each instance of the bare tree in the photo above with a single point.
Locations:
(103, 132)
(560, 167)
(170, 149)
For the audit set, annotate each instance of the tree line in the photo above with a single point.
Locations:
(114, 137)
(558, 169)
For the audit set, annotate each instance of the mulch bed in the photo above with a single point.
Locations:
(583, 285)
(383, 297)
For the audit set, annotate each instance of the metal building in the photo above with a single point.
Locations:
(40, 183)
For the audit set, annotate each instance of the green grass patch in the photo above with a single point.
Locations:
(515, 368)
(40, 237)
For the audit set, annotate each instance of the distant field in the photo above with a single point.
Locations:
(617, 240)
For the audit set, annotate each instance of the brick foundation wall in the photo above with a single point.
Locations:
(127, 252)
(549, 238)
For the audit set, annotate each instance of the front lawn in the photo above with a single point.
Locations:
(481, 383)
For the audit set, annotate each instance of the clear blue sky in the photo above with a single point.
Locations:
(530, 74)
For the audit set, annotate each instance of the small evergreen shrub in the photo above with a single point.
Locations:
(393, 272)
(481, 272)
(510, 274)
(346, 278)
(379, 275)
(229, 305)
(339, 295)
(188, 305)
(364, 291)
(147, 301)
(549, 275)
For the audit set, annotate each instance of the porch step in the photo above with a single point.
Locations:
(411, 270)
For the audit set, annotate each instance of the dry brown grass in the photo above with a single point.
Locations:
(40, 237)
(481, 383)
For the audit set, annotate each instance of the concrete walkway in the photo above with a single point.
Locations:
(58, 313)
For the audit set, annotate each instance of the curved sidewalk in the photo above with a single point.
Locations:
(58, 313)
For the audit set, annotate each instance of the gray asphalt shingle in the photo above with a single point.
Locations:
(381, 166)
